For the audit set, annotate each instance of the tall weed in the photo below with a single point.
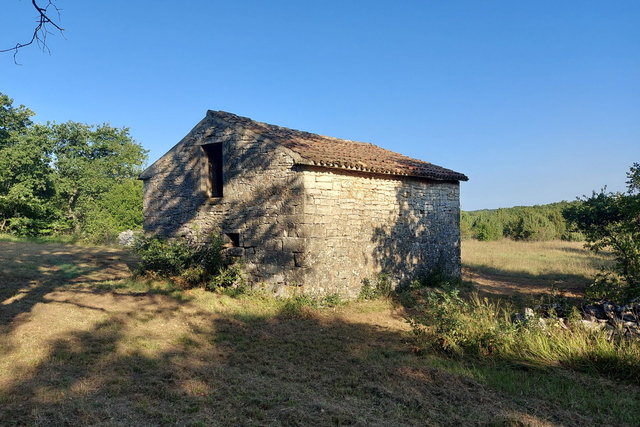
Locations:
(477, 327)
(451, 324)
(381, 286)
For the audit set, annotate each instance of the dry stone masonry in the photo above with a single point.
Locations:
(622, 320)
(303, 210)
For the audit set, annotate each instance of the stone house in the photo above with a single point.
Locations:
(305, 210)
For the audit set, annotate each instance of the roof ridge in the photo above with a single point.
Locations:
(269, 125)
(342, 153)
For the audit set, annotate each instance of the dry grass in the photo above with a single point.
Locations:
(83, 345)
(555, 257)
(507, 267)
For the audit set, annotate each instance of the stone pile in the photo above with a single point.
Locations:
(126, 238)
(613, 317)
(624, 319)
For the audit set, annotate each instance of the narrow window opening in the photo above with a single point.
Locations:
(214, 169)
(232, 240)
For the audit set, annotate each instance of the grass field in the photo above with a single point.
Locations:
(508, 268)
(84, 344)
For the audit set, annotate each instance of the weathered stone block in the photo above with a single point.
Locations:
(302, 260)
(294, 244)
(311, 231)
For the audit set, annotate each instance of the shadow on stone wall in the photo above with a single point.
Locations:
(425, 238)
(260, 211)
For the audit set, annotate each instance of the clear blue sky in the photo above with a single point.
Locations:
(536, 101)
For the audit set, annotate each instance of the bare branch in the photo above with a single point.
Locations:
(42, 28)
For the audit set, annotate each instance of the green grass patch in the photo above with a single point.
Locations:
(478, 327)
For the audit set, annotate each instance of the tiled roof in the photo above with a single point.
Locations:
(341, 153)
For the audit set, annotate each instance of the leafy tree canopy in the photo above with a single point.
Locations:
(612, 221)
(13, 120)
(56, 177)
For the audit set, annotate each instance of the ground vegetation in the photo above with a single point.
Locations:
(86, 343)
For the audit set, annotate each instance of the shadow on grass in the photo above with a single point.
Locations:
(520, 286)
(75, 355)
(608, 255)
(30, 272)
(152, 360)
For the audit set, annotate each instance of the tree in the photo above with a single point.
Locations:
(41, 31)
(26, 183)
(633, 185)
(13, 120)
(117, 210)
(67, 177)
(612, 221)
(88, 161)
(25, 178)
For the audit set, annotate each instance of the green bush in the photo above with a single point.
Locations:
(189, 264)
(166, 258)
(487, 230)
(29, 227)
(382, 287)
(229, 277)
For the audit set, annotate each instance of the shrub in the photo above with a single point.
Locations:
(612, 221)
(381, 288)
(229, 277)
(488, 230)
(477, 327)
(167, 258)
(189, 264)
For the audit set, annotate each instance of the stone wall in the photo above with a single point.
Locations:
(322, 230)
(261, 203)
(360, 225)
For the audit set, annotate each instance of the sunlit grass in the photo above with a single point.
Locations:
(533, 258)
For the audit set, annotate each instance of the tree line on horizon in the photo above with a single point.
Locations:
(82, 180)
(524, 223)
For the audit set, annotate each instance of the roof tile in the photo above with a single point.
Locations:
(341, 153)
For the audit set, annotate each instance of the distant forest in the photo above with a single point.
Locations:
(527, 223)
